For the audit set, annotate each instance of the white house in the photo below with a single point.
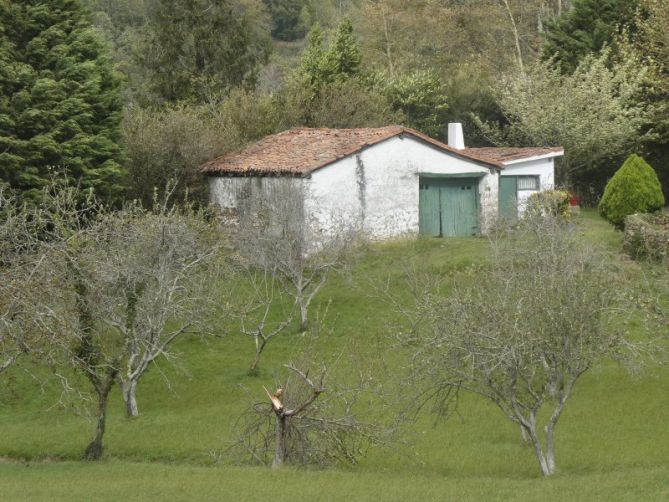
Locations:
(385, 182)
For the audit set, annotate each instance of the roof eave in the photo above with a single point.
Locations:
(549, 155)
(256, 173)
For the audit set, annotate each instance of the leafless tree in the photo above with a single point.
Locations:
(255, 315)
(164, 267)
(275, 236)
(131, 283)
(25, 320)
(521, 332)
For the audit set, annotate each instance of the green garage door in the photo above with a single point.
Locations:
(448, 206)
(508, 197)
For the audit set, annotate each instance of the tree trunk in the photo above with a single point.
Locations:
(130, 398)
(94, 449)
(547, 468)
(280, 446)
(304, 312)
(550, 456)
(389, 56)
(516, 35)
(254, 364)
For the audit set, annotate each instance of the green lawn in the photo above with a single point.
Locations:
(612, 442)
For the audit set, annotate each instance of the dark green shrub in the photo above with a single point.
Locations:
(633, 189)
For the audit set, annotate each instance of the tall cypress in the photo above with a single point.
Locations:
(60, 107)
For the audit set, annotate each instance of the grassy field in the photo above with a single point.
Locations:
(612, 442)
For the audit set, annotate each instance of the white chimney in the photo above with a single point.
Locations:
(456, 139)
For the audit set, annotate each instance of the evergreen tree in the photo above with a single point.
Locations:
(585, 29)
(199, 49)
(634, 188)
(343, 59)
(59, 99)
(311, 64)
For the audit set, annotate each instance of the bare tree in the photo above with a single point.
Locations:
(131, 283)
(522, 332)
(25, 320)
(275, 236)
(516, 35)
(265, 295)
(284, 414)
(165, 269)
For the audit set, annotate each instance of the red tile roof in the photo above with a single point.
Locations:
(505, 155)
(301, 151)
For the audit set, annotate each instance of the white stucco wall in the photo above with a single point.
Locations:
(252, 197)
(375, 191)
(378, 188)
(333, 199)
(544, 168)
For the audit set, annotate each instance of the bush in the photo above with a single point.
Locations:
(167, 146)
(550, 203)
(647, 236)
(634, 188)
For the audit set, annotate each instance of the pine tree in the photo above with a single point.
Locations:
(311, 64)
(60, 106)
(585, 29)
(343, 59)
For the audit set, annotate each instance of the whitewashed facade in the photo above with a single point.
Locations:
(375, 190)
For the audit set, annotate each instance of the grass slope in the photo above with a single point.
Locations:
(612, 442)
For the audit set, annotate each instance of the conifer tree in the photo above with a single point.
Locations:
(311, 64)
(60, 107)
(585, 29)
(340, 62)
(343, 58)
(634, 188)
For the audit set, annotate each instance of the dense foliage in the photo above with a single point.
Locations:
(501, 63)
(585, 29)
(633, 189)
(546, 107)
(200, 50)
(288, 18)
(60, 107)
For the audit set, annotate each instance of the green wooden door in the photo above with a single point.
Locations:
(428, 207)
(459, 207)
(508, 197)
(448, 207)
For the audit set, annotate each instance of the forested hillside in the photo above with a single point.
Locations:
(200, 78)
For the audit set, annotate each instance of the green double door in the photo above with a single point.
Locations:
(448, 207)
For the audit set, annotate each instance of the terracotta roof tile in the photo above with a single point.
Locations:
(299, 152)
(502, 155)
